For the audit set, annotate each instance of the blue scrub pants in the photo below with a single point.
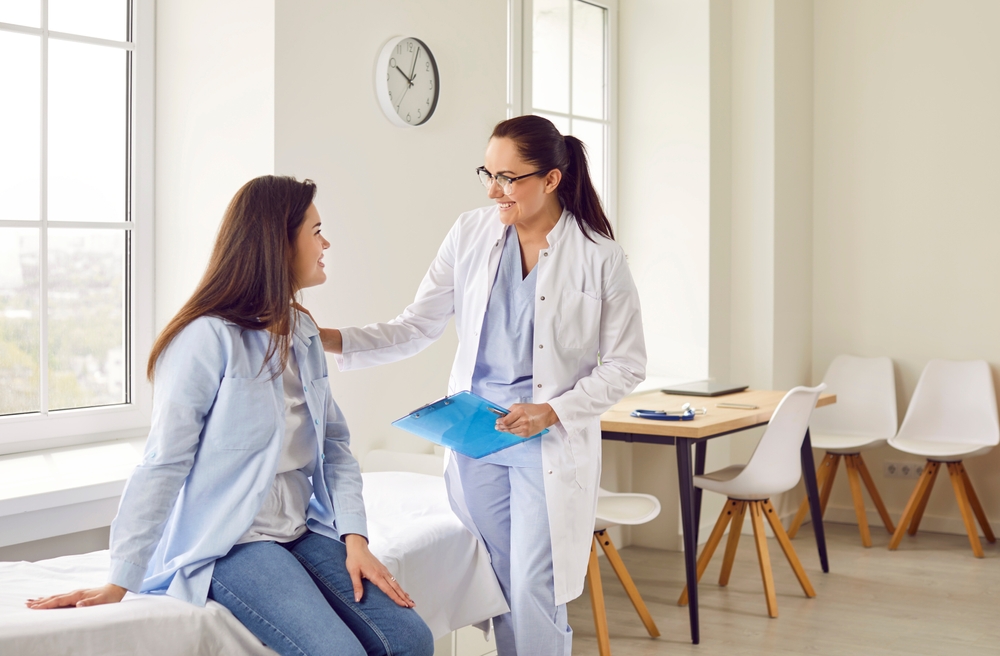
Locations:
(298, 599)
(508, 506)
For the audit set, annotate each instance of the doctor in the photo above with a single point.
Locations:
(549, 325)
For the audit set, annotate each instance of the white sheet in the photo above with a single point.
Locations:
(412, 530)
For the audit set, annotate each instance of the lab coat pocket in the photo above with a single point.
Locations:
(578, 320)
(243, 416)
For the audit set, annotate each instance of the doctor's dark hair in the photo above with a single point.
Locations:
(540, 144)
(249, 278)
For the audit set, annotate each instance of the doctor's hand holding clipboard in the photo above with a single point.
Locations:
(549, 326)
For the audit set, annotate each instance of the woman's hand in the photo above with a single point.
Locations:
(362, 564)
(106, 594)
(330, 337)
(527, 419)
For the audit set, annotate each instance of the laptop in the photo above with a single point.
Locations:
(704, 388)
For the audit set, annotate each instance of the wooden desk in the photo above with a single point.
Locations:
(616, 424)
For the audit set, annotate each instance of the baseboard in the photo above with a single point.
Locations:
(931, 523)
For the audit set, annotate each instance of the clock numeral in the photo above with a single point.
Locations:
(407, 118)
(432, 85)
(427, 66)
(399, 49)
(428, 101)
(392, 63)
(390, 93)
(409, 46)
(418, 113)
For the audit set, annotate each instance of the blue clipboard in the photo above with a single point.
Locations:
(463, 422)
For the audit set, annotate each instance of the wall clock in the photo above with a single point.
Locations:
(406, 81)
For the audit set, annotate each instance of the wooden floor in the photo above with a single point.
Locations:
(929, 597)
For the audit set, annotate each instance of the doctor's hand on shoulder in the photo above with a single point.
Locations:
(330, 337)
(527, 419)
(106, 594)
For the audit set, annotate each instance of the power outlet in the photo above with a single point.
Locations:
(893, 469)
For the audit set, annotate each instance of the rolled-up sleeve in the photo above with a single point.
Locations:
(187, 379)
(343, 475)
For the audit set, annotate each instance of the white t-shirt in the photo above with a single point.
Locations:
(282, 517)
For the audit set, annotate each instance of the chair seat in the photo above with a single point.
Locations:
(616, 508)
(845, 444)
(721, 481)
(940, 450)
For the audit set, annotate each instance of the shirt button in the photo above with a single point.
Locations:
(317, 420)
(323, 456)
(305, 389)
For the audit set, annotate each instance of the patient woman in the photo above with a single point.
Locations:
(248, 493)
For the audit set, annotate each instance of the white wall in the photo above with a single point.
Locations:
(907, 100)
(387, 195)
(214, 128)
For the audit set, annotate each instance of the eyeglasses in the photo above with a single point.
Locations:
(506, 182)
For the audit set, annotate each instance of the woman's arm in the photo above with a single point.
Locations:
(622, 348)
(187, 379)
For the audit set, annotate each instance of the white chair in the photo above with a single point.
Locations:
(952, 416)
(774, 467)
(864, 417)
(614, 509)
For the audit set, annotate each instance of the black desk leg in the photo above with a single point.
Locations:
(699, 469)
(686, 483)
(812, 490)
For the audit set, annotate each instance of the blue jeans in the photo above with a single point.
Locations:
(297, 598)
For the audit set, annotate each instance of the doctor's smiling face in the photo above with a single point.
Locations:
(526, 200)
(307, 260)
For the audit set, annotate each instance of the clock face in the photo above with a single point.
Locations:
(406, 80)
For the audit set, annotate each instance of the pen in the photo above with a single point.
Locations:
(738, 406)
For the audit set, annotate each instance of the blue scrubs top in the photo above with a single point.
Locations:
(504, 362)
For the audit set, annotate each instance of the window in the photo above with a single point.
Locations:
(75, 217)
(567, 75)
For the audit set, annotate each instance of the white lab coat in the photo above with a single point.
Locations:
(586, 303)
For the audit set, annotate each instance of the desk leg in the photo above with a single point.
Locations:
(685, 481)
(699, 469)
(812, 490)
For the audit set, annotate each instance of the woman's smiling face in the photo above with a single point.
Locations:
(527, 196)
(307, 262)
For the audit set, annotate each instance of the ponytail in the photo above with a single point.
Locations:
(577, 193)
(539, 143)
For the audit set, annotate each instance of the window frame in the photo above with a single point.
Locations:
(48, 429)
(519, 95)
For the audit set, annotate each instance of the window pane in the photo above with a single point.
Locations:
(104, 19)
(592, 136)
(550, 55)
(86, 318)
(588, 59)
(19, 336)
(20, 126)
(21, 12)
(561, 122)
(87, 133)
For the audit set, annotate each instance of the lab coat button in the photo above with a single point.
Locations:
(539, 384)
(550, 471)
(546, 253)
(540, 346)
(543, 298)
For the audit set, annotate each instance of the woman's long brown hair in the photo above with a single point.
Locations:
(249, 277)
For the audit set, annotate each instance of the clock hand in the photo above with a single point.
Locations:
(413, 67)
(404, 74)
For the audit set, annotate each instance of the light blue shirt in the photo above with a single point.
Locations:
(503, 372)
(213, 449)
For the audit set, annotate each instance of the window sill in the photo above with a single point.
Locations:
(54, 492)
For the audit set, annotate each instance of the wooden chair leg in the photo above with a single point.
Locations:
(958, 483)
(728, 511)
(859, 501)
(873, 492)
(786, 546)
(760, 538)
(597, 603)
(821, 473)
(976, 506)
(734, 540)
(824, 494)
(922, 506)
(608, 546)
(911, 505)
